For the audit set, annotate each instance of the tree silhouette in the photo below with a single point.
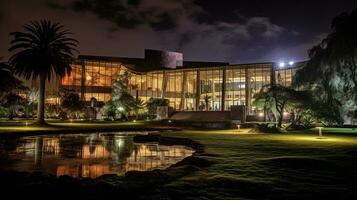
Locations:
(43, 49)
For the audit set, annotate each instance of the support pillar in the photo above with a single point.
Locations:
(248, 95)
(183, 90)
(164, 84)
(223, 92)
(83, 81)
(198, 89)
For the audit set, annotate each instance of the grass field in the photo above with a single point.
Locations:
(271, 166)
(243, 165)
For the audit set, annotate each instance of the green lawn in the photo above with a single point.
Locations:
(271, 166)
(245, 165)
(24, 126)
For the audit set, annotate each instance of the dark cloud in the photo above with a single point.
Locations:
(230, 30)
(129, 14)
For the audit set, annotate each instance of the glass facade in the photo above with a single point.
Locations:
(187, 89)
(285, 76)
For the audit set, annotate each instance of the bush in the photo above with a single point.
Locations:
(3, 112)
(267, 128)
(153, 103)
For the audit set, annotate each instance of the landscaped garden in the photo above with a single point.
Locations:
(300, 150)
(232, 164)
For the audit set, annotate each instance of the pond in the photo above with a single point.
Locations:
(87, 155)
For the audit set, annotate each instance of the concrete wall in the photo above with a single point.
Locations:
(202, 116)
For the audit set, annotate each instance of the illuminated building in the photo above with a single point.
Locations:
(187, 85)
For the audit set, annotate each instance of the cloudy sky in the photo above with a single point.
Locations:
(208, 30)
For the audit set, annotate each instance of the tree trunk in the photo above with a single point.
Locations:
(11, 113)
(41, 101)
(280, 120)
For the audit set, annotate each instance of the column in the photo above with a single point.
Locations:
(83, 81)
(198, 89)
(164, 84)
(247, 91)
(183, 90)
(223, 97)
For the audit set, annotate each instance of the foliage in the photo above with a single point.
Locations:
(267, 128)
(110, 109)
(42, 50)
(8, 81)
(280, 99)
(53, 111)
(121, 97)
(14, 104)
(327, 113)
(138, 105)
(153, 103)
(3, 111)
(331, 72)
(71, 103)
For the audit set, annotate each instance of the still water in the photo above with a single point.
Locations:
(87, 155)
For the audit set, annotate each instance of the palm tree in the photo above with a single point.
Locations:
(44, 49)
(137, 105)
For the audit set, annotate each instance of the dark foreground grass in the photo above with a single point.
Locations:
(274, 166)
(233, 165)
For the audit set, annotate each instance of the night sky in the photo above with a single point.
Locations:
(222, 30)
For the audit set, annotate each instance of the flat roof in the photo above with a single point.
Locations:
(140, 64)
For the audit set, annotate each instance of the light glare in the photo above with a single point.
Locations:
(281, 64)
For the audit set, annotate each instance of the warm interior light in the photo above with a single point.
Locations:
(261, 114)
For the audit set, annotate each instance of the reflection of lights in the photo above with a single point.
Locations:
(261, 114)
(120, 142)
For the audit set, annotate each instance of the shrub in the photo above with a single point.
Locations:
(153, 103)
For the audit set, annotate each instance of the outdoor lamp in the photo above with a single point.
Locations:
(320, 131)
(282, 64)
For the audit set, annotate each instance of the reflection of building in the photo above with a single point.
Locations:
(188, 85)
(92, 155)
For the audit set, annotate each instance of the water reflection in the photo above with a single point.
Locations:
(90, 155)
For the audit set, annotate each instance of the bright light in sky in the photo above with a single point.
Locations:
(281, 64)
(291, 63)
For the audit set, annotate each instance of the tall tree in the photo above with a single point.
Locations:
(43, 49)
(121, 97)
(280, 99)
(340, 51)
(332, 68)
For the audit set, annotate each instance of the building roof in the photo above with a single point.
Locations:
(141, 64)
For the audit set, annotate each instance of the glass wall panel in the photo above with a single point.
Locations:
(211, 89)
(75, 78)
(190, 91)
